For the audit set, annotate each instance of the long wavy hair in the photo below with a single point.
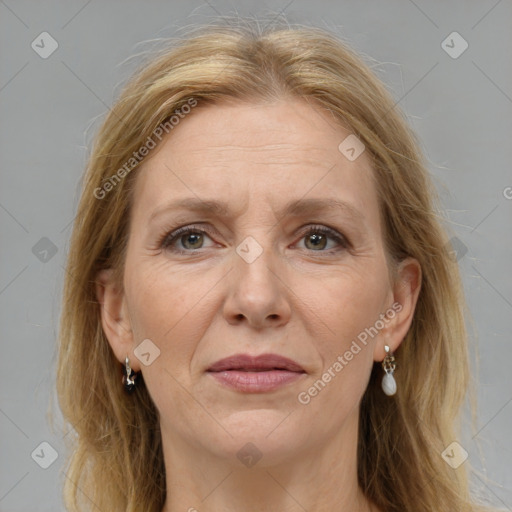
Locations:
(116, 460)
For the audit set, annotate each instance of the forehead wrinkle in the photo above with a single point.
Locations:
(258, 147)
(313, 156)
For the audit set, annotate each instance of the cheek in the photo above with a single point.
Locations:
(174, 310)
(344, 343)
(168, 307)
(343, 315)
(346, 302)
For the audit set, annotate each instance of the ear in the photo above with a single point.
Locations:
(114, 317)
(405, 292)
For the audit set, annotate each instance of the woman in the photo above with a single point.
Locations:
(261, 311)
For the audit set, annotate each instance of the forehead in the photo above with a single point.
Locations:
(261, 154)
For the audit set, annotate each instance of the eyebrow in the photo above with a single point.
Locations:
(296, 207)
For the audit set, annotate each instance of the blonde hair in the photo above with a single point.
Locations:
(116, 459)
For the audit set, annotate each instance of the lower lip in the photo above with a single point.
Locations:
(256, 382)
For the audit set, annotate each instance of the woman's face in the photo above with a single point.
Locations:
(278, 267)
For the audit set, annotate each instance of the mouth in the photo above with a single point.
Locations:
(248, 374)
(261, 363)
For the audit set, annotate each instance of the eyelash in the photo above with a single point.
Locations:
(171, 237)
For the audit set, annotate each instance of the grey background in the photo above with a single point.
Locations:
(461, 108)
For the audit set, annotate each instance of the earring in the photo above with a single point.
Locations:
(388, 381)
(129, 377)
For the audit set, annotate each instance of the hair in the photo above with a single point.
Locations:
(116, 459)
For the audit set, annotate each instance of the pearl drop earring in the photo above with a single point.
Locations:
(388, 381)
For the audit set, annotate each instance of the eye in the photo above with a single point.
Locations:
(316, 238)
(190, 238)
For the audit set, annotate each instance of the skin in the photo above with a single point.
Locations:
(304, 301)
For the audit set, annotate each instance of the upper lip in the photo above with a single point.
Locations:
(261, 362)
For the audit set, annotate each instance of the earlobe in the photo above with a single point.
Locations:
(114, 318)
(406, 290)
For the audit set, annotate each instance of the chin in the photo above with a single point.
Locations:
(262, 434)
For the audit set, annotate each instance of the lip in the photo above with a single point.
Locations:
(246, 362)
(256, 374)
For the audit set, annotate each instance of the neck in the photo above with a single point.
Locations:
(316, 478)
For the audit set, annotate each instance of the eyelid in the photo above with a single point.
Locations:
(326, 230)
(174, 234)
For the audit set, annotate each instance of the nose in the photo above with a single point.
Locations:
(257, 292)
